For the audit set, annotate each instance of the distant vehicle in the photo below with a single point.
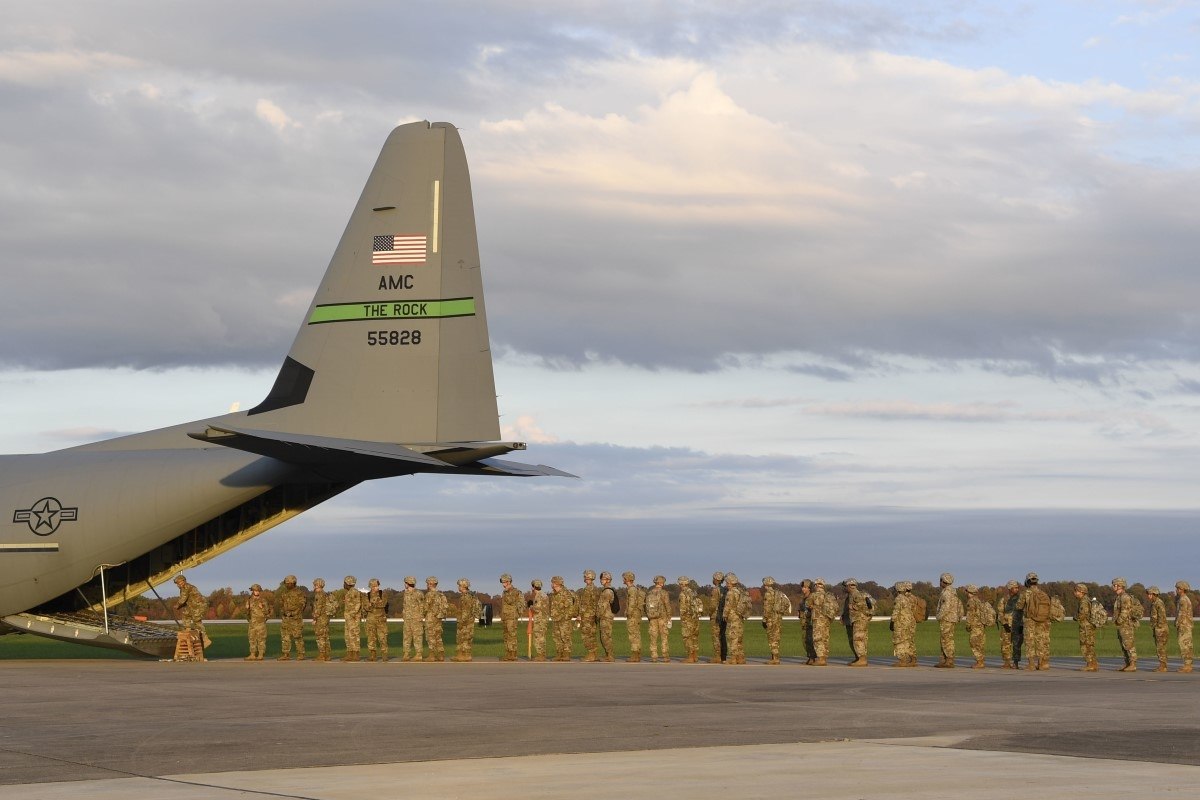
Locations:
(390, 374)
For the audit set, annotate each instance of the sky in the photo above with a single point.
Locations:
(797, 288)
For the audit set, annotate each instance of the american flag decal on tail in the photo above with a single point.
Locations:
(401, 248)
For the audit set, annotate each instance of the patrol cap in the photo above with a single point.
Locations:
(254, 587)
(660, 578)
(606, 574)
(506, 578)
(1187, 587)
(180, 579)
(559, 580)
(971, 588)
(1012, 585)
(849, 582)
(768, 581)
(350, 580)
(1079, 587)
(432, 579)
(319, 582)
(410, 580)
(1118, 582)
(1031, 577)
(684, 580)
(946, 578)
(718, 577)
(536, 583)
(628, 576)
(730, 577)
(1153, 590)
(464, 582)
(589, 573)
(290, 579)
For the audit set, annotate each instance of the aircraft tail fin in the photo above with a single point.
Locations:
(395, 344)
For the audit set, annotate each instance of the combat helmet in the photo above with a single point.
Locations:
(718, 576)
(1118, 582)
(628, 576)
(559, 580)
(410, 580)
(660, 579)
(1187, 587)
(349, 581)
(1031, 579)
(589, 574)
(1153, 590)
(946, 579)
(731, 578)
(506, 578)
(290, 580)
(254, 587)
(432, 579)
(464, 583)
(606, 576)
(971, 588)
(180, 578)
(768, 581)
(319, 583)
(684, 580)
(536, 583)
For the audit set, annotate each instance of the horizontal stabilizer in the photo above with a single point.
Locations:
(309, 450)
(496, 466)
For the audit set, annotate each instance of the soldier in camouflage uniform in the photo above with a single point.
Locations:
(689, 619)
(1127, 615)
(352, 612)
(563, 610)
(587, 599)
(377, 628)
(413, 611)
(949, 614)
(804, 613)
(436, 607)
(635, 609)
(658, 609)
(856, 616)
(904, 626)
(539, 608)
(1032, 603)
(291, 602)
(1183, 623)
(976, 618)
(736, 602)
(257, 611)
(605, 613)
(191, 607)
(512, 604)
(716, 617)
(322, 610)
(1012, 625)
(1158, 625)
(469, 609)
(1087, 629)
(774, 606)
(819, 603)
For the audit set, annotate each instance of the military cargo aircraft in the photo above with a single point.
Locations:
(390, 374)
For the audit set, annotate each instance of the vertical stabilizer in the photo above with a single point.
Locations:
(395, 344)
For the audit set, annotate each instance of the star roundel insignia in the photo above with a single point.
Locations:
(44, 516)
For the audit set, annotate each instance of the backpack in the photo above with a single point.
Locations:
(1097, 613)
(1057, 612)
(654, 606)
(783, 603)
(1037, 606)
(615, 604)
(989, 614)
(920, 609)
(744, 606)
(1139, 611)
(831, 607)
(870, 603)
(697, 606)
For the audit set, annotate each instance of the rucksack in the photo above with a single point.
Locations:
(1139, 610)
(870, 603)
(920, 610)
(831, 607)
(1037, 606)
(1057, 612)
(989, 614)
(783, 603)
(1097, 613)
(744, 606)
(615, 605)
(653, 606)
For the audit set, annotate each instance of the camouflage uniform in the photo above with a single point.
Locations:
(1087, 629)
(1127, 615)
(377, 629)
(818, 621)
(257, 611)
(716, 616)
(587, 598)
(322, 610)
(736, 601)
(1011, 621)
(604, 614)
(436, 607)
(976, 624)
(413, 644)
(192, 607)
(1183, 623)
(1158, 624)
(352, 612)
(774, 606)
(291, 611)
(511, 606)
(804, 613)
(469, 608)
(539, 608)
(949, 614)
(635, 609)
(689, 619)
(904, 626)
(856, 616)
(1037, 632)
(658, 609)
(563, 610)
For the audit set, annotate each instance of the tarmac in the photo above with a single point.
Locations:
(112, 729)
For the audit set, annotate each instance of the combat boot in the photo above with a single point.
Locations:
(774, 661)
(1162, 665)
(285, 657)
(820, 662)
(808, 662)
(248, 658)
(693, 656)
(539, 658)
(1187, 667)
(861, 661)
(979, 664)
(1091, 666)
(666, 659)
(300, 655)
(944, 664)
(1043, 663)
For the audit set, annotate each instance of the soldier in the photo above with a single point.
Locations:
(856, 616)
(635, 609)
(1127, 615)
(191, 607)
(587, 598)
(1158, 625)
(820, 605)
(511, 606)
(436, 607)
(539, 610)
(322, 611)
(469, 608)
(413, 611)
(1012, 625)
(1087, 629)
(291, 625)
(774, 605)
(352, 612)
(257, 611)
(976, 616)
(604, 613)
(377, 629)
(904, 626)
(804, 612)
(1034, 605)
(949, 614)
(1183, 623)
(563, 610)
(716, 617)
(689, 619)
(737, 608)
(658, 609)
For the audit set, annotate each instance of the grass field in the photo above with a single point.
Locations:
(229, 641)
